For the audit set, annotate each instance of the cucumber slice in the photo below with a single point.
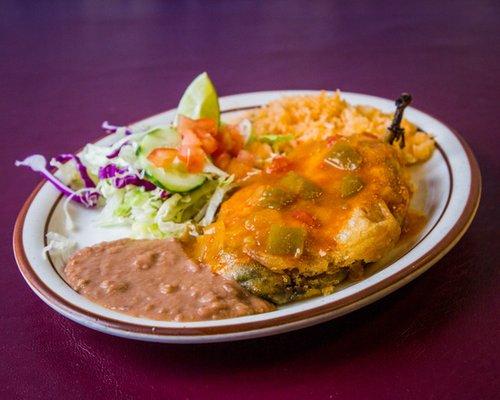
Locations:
(172, 179)
(159, 137)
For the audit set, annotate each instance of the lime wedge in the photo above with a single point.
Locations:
(200, 100)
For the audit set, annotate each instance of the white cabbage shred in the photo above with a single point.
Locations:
(215, 201)
(59, 248)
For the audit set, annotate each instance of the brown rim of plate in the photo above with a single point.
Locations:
(439, 249)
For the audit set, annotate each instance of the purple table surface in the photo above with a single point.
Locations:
(67, 66)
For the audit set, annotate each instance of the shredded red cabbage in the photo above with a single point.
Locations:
(113, 128)
(110, 171)
(87, 181)
(87, 197)
(134, 180)
(122, 179)
(115, 152)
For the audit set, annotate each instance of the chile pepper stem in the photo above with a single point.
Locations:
(396, 131)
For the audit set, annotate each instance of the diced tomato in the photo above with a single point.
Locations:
(237, 140)
(279, 164)
(246, 157)
(205, 129)
(198, 140)
(200, 137)
(208, 142)
(191, 151)
(305, 218)
(195, 125)
(190, 139)
(162, 157)
(222, 160)
(194, 157)
(230, 140)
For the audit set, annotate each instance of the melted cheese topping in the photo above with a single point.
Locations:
(340, 230)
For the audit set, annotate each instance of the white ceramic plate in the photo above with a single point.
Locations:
(449, 186)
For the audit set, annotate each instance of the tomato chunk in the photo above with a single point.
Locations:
(191, 154)
(305, 218)
(279, 164)
(198, 140)
(162, 157)
(223, 160)
(195, 125)
(230, 140)
(204, 129)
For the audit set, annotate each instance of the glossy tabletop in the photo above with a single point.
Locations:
(66, 66)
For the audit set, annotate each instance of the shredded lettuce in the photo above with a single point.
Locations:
(181, 208)
(59, 248)
(130, 205)
(215, 201)
(149, 215)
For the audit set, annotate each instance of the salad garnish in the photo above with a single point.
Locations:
(82, 169)
(113, 128)
(162, 181)
(38, 163)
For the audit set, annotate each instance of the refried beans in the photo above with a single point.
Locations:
(155, 279)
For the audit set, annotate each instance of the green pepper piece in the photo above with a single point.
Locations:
(276, 198)
(286, 240)
(351, 184)
(335, 278)
(300, 186)
(344, 156)
(261, 281)
(274, 139)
